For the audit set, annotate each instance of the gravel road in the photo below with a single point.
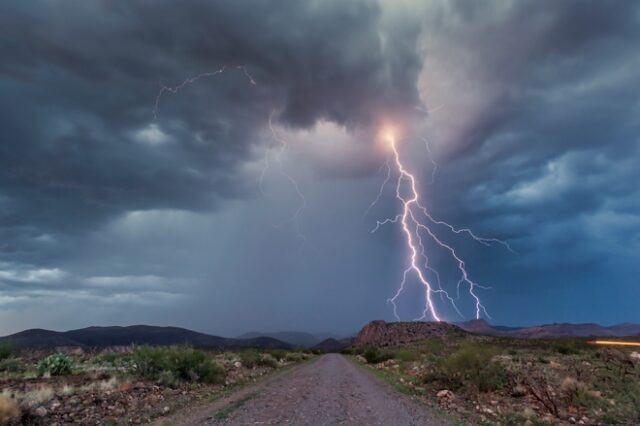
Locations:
(329, 391)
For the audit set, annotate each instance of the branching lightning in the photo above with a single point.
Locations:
(294, 219)
(191, 80)
(416, 222)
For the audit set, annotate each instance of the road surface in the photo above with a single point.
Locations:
(329, 391)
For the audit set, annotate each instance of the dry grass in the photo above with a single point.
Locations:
(8, 409)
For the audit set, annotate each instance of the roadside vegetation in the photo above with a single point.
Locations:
(123, 385)
(499, 381)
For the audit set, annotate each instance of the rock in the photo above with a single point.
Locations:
(555, 365)
(634, 356)
(361, 359)
(518, 391)
(528, 412)
(445, 393)
(40, 412)
(165, 410)
(237, 364)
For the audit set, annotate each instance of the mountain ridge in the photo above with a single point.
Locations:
(96, 336)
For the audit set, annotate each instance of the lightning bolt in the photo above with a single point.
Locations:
(175, 89)
(283, 143)
(295, 217)
(413, 228)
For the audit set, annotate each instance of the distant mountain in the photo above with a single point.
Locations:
(552, 330)
(334, 345)
(136, 334)
(295, 338)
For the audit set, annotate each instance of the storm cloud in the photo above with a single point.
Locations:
(533, 119)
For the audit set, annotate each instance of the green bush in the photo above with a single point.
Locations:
(472, 364)
(169, 365)
(6, 349)
(374, 355)
(56, 365)
(406, 355)
(278, 354)
(267, 360)
(294, 357)
(249, 358)
(12, 365)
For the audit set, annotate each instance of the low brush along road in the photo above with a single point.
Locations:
(331, 390)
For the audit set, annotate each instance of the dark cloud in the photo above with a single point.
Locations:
(79, 88)
(537, 140)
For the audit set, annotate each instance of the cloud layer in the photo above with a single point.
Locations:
(534, 122)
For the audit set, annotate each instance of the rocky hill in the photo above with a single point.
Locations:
(381, 333)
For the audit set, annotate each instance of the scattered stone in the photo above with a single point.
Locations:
(518, 391)
(445, 394)
(40, 412)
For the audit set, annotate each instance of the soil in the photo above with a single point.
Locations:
(331, 390)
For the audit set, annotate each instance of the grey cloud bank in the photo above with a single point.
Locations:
(109, 216)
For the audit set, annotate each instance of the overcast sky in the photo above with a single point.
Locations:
(123, 203)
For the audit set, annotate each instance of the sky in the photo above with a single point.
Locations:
(124, 203)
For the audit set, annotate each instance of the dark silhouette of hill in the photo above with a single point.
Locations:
(552, 330)
(295, 338)
(134, 335)
(334, 345)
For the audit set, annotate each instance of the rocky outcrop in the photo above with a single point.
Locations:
(380, 333)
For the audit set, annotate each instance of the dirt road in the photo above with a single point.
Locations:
(329, 391)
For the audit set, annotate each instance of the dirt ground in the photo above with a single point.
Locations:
(329, 391)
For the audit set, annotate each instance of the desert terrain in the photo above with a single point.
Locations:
(414, 373)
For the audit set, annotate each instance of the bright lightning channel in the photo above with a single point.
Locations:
(413, 228)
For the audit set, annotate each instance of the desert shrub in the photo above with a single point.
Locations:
(294, 357)
(169, 365)
(8, 409)
(193, 365)
(406, 355)
(432, 346)
(278, 354)
(624, 389)
(267, 360)
(109, 358)
(6, 349)
(375, 356)
(12, 365)
(167, 378)
(576, 393)
(568, 346)
(56, 365)
(249, 358)
(150, 361)
(472, 364)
